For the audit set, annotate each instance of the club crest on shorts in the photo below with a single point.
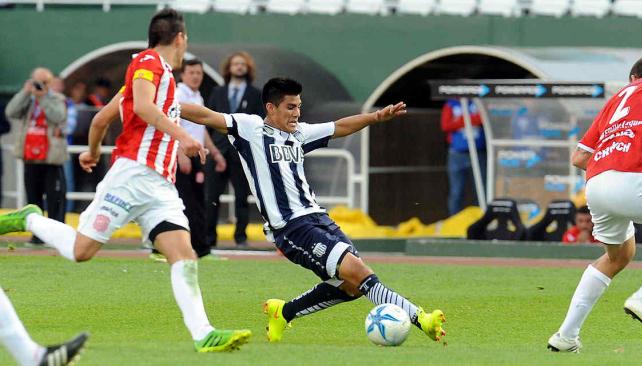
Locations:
(319, 249)
(101, 223)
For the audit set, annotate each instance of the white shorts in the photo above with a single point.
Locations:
(131, 192)
(615, 201)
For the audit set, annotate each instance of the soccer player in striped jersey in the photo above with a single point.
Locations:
(140, 184)
(272, 154)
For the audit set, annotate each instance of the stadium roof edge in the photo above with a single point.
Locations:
(128, 45)
(546, 63)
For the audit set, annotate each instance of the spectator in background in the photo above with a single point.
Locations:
(76, 98)
(582, 232)
(236, 96)
(190, 177)
(459, 163)
(39, 114)
(100, 93)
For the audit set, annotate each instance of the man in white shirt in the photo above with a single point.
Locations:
(190, 177)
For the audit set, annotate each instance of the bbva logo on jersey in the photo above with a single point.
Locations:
(290, 154)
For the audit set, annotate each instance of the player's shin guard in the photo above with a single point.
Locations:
(188, 296)
(321, 296)
(379, 294)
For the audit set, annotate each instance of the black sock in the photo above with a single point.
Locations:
(321, 296)
(379, 294)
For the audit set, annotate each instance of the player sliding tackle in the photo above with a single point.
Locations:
(272, 153)
(139, 185)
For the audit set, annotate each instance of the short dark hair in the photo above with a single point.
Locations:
(191, 62)
(164, 27)
(583, 210)
(277, 88)
(636, 70)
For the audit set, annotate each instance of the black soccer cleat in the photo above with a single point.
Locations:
(65, 354)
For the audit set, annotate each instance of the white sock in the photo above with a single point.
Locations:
(188, 297)
(589, 290)
(55, 234)
(14, 336)
(638, 294)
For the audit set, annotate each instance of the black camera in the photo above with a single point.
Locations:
(38, 85)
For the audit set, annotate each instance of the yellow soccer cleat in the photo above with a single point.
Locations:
(431, 323)
(222, 341)
(276, 322)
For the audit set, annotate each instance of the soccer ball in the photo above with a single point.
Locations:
(387, 325)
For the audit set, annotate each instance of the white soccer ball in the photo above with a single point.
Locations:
(387, 325)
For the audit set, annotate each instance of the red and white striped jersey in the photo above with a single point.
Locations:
(140, 141)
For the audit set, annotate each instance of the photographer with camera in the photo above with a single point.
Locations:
(39, 115)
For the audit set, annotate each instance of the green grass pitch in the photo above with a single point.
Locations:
(496, 316)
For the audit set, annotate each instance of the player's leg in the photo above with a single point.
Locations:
(64, 238)
(322, 296)
(353, 271)
(14, 336)
(613, 198)
(173, 242)
(24, 350)
(364, 281)
(594, 281)
(319, 245)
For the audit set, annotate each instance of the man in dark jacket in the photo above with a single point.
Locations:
(236, 96)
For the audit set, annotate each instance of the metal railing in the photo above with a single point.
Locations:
(348, 199)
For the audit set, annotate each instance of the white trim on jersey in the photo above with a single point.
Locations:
(586, 148)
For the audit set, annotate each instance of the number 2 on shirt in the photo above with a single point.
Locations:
(621, 110)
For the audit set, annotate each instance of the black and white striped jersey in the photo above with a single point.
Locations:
(273, 163)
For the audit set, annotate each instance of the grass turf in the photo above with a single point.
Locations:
(496, 316)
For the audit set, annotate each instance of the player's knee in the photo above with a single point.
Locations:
(85, 248)
(83, 255)
(353, 270)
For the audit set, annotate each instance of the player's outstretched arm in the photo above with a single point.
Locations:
(204, 116)
(144, 92)
(349, 125)
(97, 130)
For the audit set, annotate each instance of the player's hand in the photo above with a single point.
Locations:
(221, 164)
(184, 163)
(191, 148)
(390, 112)
(88, 161)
